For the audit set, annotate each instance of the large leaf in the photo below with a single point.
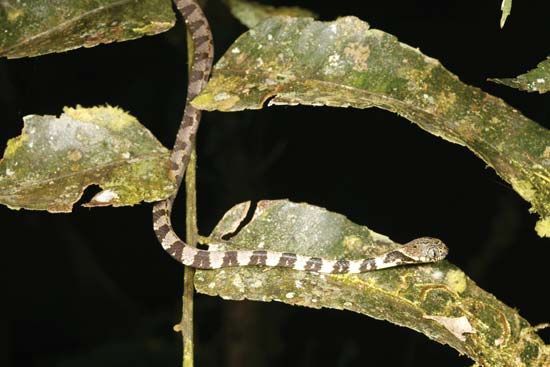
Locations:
(50, 164)
(344, 63)
(438, 299)
(536, 80)
(37, 27)
(250, 13)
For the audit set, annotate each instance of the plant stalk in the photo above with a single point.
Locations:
(186, 323)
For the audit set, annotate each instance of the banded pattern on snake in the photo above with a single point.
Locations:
(420, 250)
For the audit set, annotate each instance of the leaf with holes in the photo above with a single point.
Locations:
(38, 27)
(50, 164)
(344, 63)
(250, 13)
(536, 80)
(437, 299)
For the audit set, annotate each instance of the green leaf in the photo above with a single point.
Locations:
(50, 164)
(250, 13)
(506, 8)
(38, 27)
(438, 299)
(536, 80)
(289, 61)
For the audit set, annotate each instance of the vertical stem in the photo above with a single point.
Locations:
(186, 323)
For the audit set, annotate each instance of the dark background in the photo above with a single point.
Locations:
(95, 288)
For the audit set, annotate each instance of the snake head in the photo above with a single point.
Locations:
(425, 249)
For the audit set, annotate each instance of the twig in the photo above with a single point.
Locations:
(186, 323)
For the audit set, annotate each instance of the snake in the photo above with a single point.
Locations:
(418, 251)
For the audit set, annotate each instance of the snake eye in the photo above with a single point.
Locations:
(432, 253)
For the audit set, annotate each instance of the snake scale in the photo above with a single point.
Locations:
(420, 250)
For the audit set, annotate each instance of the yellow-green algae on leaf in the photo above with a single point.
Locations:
(38, 27)
(54, 159)
(250, 13)
(536, 80)
(543, 227)
(438, 299)
(344, 63)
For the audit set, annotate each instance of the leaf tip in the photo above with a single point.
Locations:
(506, 8)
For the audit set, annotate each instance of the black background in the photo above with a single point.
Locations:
(95, 288)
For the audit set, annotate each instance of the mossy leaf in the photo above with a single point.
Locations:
(506, 8)
(250, 13)
(344, 63)
(437, 299)
(38, 27)
(536, 80)
(50, 164)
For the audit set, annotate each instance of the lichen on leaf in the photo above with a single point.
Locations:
(437, 300)
(38, 27)
(345, 63)
(54, 159)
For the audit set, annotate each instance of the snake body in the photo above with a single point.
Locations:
(420, 250)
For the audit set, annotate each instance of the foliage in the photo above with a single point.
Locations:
(288, 60)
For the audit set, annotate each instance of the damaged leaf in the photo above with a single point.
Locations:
(344, 63)
(536, 80)
(38, 27)
(250, 13)
(437, 299)
(54, 159)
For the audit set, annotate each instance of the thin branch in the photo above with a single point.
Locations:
(186, 323)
